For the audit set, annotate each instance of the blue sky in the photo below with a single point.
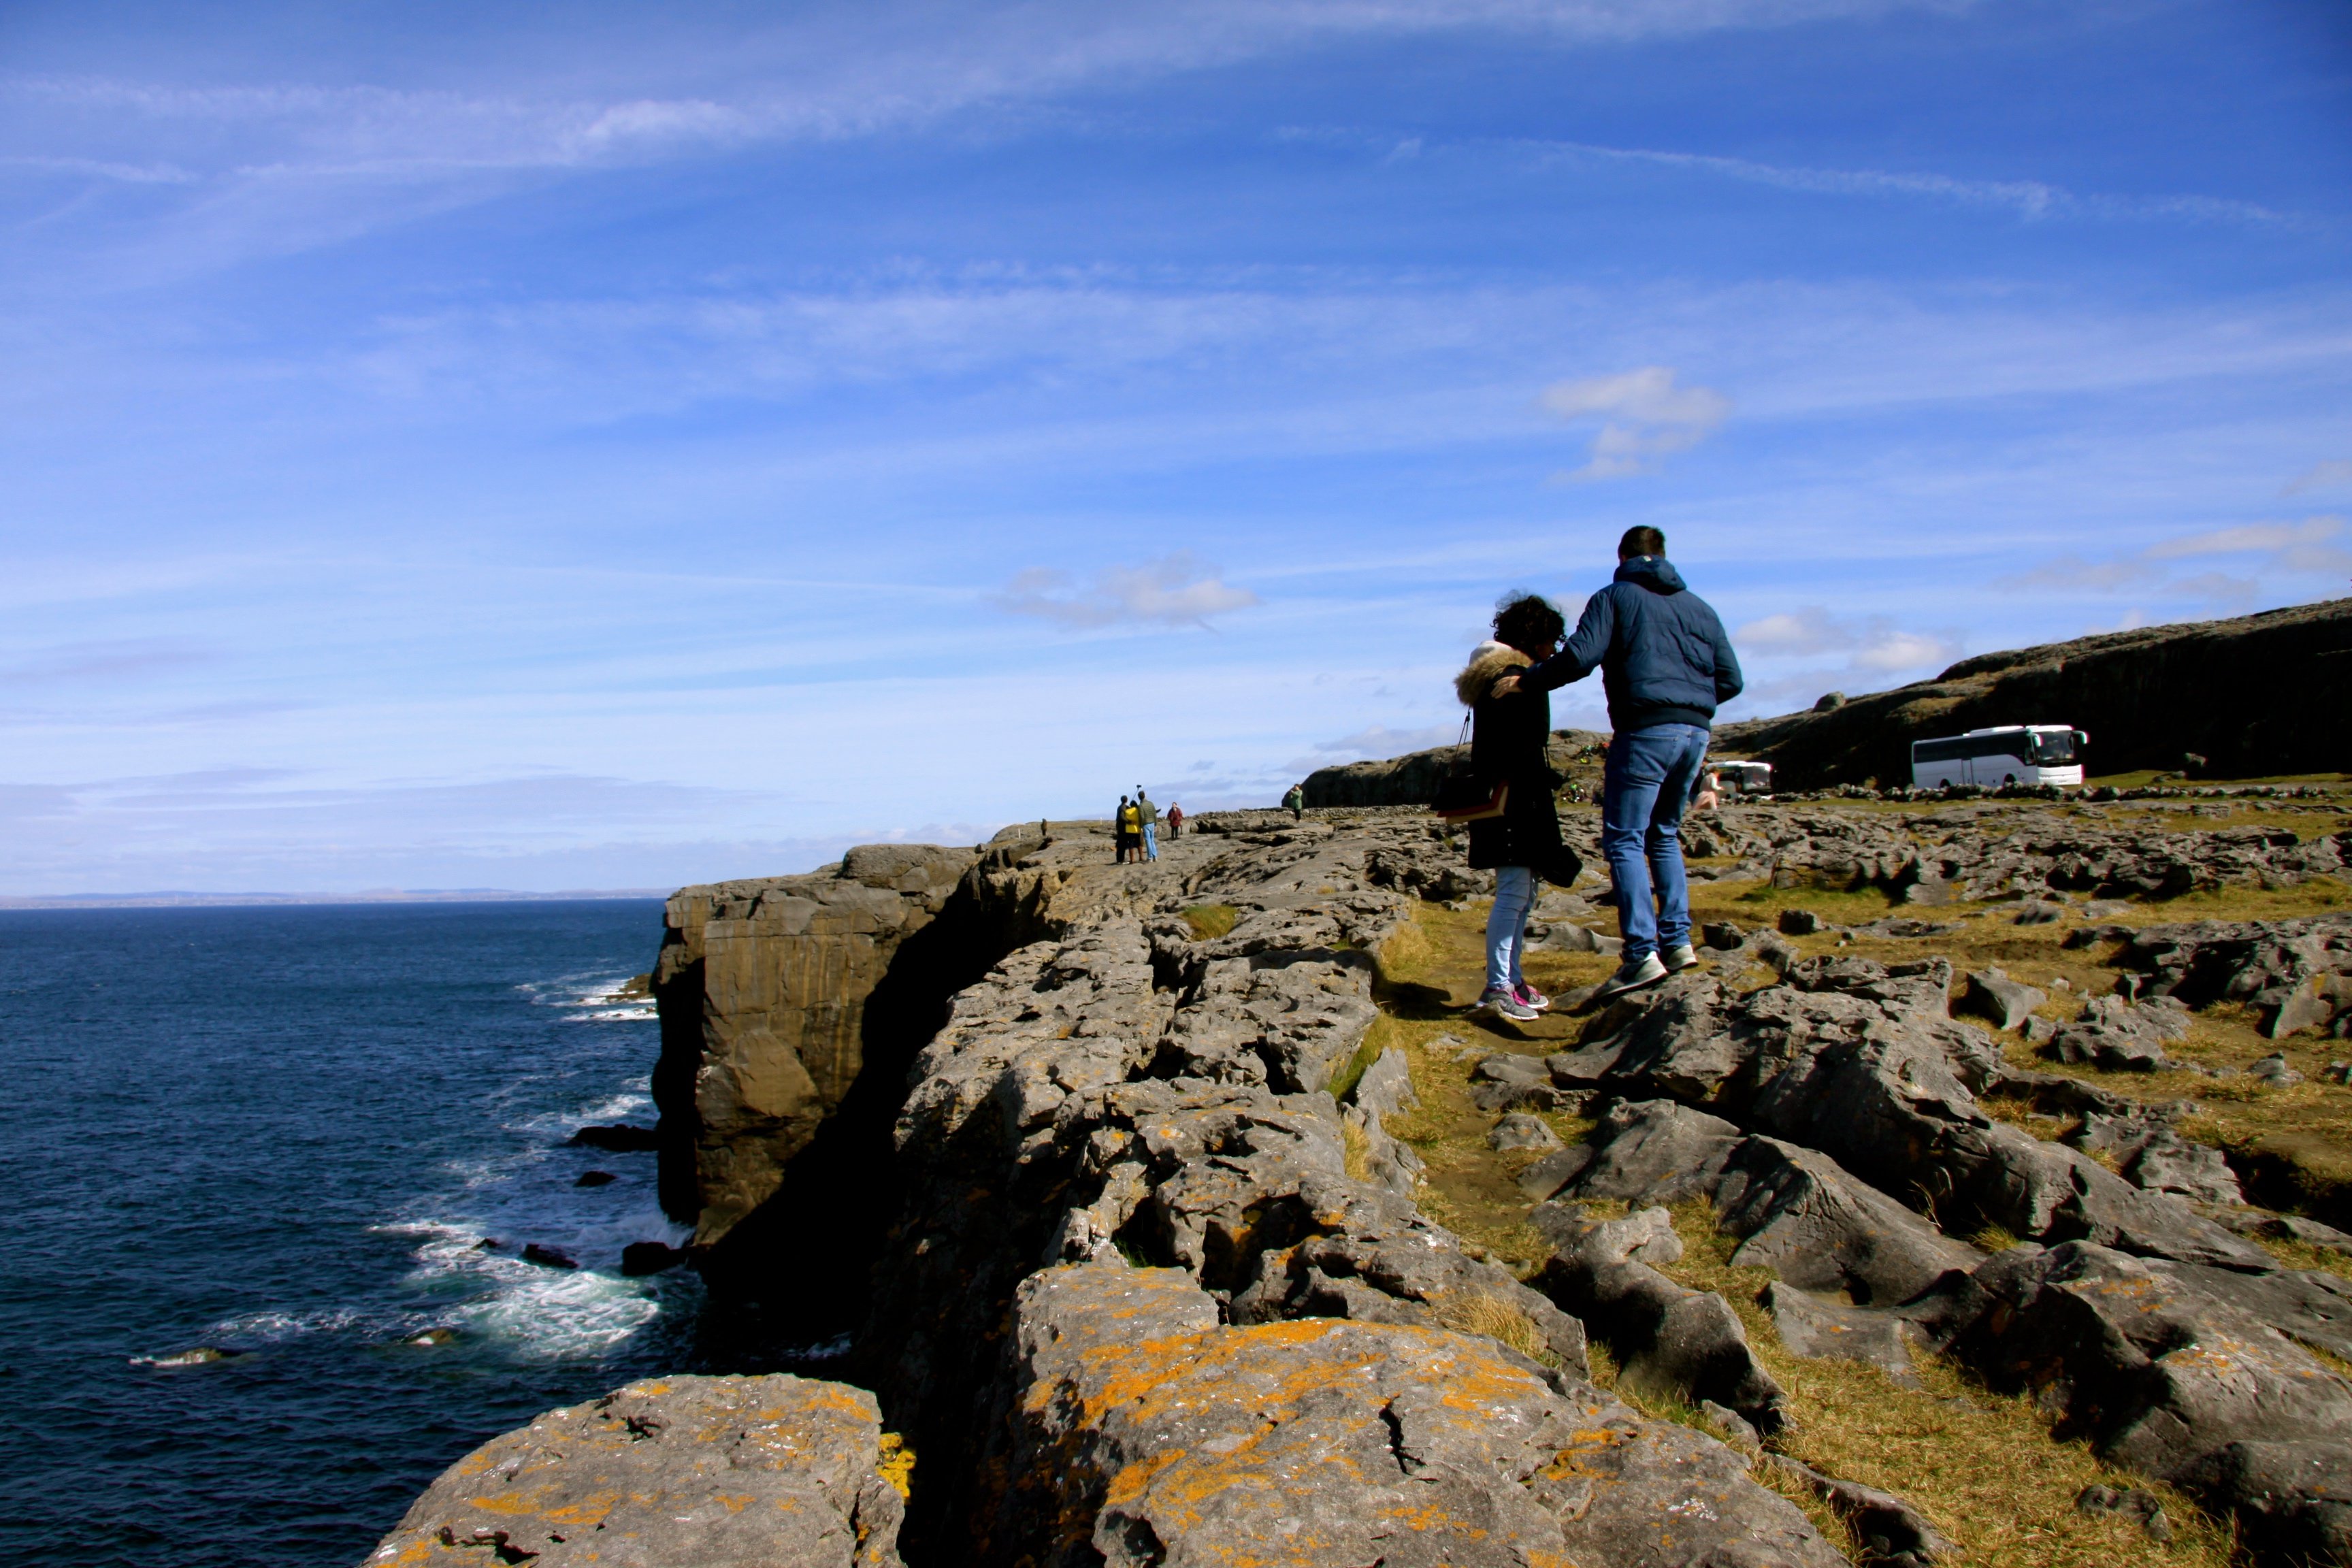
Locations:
(536, 446)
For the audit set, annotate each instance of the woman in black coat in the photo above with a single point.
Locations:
(1506, 746)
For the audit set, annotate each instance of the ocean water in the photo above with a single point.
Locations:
(288, 1132)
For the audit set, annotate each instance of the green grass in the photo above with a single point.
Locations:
(1210, 921)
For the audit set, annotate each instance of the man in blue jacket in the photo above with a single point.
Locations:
(1666, 665)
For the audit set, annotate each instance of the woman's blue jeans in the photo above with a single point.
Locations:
(1506, 927)
(1643, 789)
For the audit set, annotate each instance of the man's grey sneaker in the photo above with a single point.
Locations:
(1682, 958)
(1502, 1004)
(1632, 975)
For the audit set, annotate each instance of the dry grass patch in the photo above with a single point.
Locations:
(1983, 1466)
(1478, 1312)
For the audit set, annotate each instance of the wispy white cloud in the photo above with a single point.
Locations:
(2070, 573)
(99, 169)
(1378, 740)
(1872, 645)
(2029, 199)
(1176, 590)
(2300, 549)
(1646, 417)
(2319, 477)
(2246, 539)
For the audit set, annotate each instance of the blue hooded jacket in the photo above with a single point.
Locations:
(1661, 652)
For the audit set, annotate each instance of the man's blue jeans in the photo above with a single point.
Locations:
(1647, 781)
(1152, 841)
(1506, 927)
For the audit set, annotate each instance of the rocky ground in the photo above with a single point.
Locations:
(1974, 1202)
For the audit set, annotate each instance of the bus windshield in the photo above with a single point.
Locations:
(2053, 747)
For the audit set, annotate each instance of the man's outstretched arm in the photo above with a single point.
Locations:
(1583, 652)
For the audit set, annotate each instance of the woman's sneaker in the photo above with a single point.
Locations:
(1682, 958)
(1632, 975)
(1503, 1003)
(1531, 997)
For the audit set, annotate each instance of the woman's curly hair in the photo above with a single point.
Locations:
(1529, 622)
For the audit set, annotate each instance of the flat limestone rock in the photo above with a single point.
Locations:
(1152, 1435)
(673, 1472)
(1823, 1330)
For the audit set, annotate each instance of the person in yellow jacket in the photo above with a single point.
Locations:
(1129, 827)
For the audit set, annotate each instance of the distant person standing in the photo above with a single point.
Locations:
(1175, 821)
(1147, 822)
(1666, 665)
(1296, 801)
(1123, 828)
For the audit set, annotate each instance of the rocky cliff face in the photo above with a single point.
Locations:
(1145, 1278)
(774, 996)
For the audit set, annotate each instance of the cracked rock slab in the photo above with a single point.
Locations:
(672, 1472)
(1147, 1434)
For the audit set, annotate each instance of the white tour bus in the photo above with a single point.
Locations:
(2007, 753)
(1742, 778)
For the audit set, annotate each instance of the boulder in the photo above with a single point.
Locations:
(1656, 1152)
(1668, 1339)
(1801, 1216)
(2006, 1001)
(618, 1138)
(1386, 1085)
(2146, 1508)
(1520, 1131)
(1145, 1431)
(1722, 935)
(1890, 1532)
(673, 1472)
(548, 1256)
(642, 1258)
(1821, 1329)
(2161, 1370)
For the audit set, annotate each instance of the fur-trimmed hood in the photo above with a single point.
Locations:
(1488, 662)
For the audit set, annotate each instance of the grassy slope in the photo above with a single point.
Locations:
(1983, 1465)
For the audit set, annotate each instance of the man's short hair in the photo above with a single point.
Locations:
(1642, 540)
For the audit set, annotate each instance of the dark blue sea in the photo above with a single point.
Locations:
(286, 1132)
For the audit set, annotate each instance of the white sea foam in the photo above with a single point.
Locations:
(540, 1313)
(275, 1327)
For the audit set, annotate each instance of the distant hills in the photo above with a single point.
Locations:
(2255, 696)
(373, 896)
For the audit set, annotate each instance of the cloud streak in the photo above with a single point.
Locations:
(2303, 549)
(1646, 417)
(1176, 590)
(2032, 200)
(1873, 645)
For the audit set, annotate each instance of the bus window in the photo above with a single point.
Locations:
(2053, 747)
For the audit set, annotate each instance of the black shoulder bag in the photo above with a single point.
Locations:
(1462, 795)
